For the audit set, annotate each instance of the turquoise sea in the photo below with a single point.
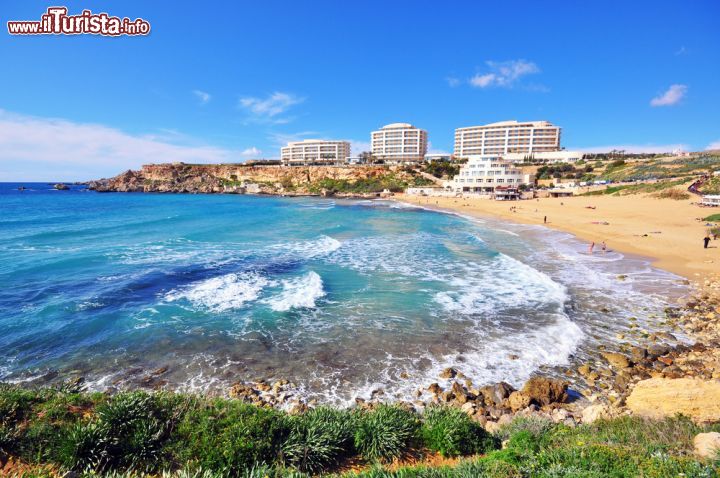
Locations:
(341, 297)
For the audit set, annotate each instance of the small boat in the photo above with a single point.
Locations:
(61, 187)
(22, 188)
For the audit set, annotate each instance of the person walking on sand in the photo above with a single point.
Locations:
(592, 246)
(706, 240)
(545, 220)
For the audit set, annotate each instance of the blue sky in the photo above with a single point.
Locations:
(237, 80)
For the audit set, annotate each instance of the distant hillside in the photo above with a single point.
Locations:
(241, 179)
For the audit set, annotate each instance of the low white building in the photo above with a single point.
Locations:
(482, 174)
(562, 156)
(439, 157)
(711, 200)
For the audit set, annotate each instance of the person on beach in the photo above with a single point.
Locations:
(592, 246)
(545, 220)
(603, 247)
(706, 240)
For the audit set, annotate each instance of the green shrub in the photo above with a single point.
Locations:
(15, 404)
(386, 432)
(225, 435)
(451, 432)
(129, 431)
(318, 439)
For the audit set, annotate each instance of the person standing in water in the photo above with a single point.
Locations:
(592, 246)
(706, 240)
(603, 247)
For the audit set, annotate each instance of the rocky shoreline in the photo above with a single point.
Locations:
(662, 378)
(323, 181)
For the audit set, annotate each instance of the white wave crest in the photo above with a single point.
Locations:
(222, 293)
(300, 292)
(310, 249)
(501, 283)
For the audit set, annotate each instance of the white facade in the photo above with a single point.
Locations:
(505, 137)
(562, 156)
(711, 200)
(399, 143)
(315, 151)
(482, 174)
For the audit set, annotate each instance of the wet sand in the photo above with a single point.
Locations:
(664, 230)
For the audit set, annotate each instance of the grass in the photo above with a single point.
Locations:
(136, 434)
(712, 218)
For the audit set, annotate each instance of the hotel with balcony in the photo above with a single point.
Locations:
(399, 143)
(483, 174)
(315, 151)
(507, 137)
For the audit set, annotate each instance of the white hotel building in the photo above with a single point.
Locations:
(315, 151)
(482, 174)
(399, 143)
(507, 137)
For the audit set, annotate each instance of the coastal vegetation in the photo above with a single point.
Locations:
(659, 168)
(442, 169)
(641, 188)
(711, 186)
(46, 432)
(377, 184)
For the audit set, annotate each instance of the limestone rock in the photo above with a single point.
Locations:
(518, 401)
(448, 373)
(616, 360)
(544, 391)
(707, 445)
(662, 397)
(595, 412)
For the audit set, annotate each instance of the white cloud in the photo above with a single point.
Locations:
(452, 81)
(251, 152)
(269, 108)
(713, 145)
(681, 51)
(635, 148)
(203, 96)
(40, 149)
(504, 74)
(672, 96)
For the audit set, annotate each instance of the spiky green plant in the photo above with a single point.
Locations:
(386, 432)
(318, 439)
(451, 432)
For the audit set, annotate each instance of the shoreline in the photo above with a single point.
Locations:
(663, 231)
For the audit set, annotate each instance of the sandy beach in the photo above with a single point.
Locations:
(666, 231)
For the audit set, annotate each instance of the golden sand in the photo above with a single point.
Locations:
(664, 230)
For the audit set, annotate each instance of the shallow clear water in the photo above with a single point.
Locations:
(340, 297)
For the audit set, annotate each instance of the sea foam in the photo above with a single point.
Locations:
(300, 292)
(218, 294)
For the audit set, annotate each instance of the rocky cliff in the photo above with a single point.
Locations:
(240, 179)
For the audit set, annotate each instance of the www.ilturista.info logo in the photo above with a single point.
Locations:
(57, 22)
